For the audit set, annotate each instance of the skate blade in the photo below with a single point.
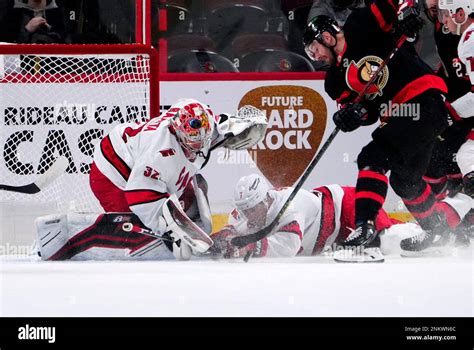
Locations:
(432, 253)
(367, 257)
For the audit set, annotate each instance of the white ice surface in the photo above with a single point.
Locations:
(303, 286)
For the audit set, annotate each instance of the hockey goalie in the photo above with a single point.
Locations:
(146, 178)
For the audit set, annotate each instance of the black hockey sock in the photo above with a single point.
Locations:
(422, 207)
(438, 185)
(371, 190)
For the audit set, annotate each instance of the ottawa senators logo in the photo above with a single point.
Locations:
(284, 65)
(358, 74)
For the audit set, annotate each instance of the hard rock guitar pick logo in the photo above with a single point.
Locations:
(296, 123)
(358, 74)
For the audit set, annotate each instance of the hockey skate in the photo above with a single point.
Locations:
(463, 234)
(363, 235)
(427, 243)
(361, 246)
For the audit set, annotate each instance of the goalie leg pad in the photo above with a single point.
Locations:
(63, 237)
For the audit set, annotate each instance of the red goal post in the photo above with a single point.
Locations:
(60, 100)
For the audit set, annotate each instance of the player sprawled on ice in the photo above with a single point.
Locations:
(146, 179)
(403, 142)
(316, 221)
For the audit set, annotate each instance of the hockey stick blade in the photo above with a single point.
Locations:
(43, 180)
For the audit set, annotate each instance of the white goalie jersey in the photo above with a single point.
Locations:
(147, 162)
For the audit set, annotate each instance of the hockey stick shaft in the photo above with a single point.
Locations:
(129, 227)
(242, 241)
(43, 180)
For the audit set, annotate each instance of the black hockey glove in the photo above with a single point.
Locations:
(350, 117)
(409, 20)
(468, 183)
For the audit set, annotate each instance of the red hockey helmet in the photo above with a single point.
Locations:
(193, 127)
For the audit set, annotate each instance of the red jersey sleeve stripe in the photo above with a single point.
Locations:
(384, 24)
(137, 197)
(343, 98)
(113, 158)
(292, 227)
(418, 86)
(328, 220)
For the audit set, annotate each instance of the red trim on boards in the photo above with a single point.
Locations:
(242, 76)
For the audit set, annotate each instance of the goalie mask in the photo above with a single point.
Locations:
(193, 127)
(250, 198)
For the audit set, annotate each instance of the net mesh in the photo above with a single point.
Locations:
(62, 105)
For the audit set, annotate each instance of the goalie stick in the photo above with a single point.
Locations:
(131, 227)
(43, 180)
(243, 241)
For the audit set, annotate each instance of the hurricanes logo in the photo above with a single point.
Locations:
(358, 74)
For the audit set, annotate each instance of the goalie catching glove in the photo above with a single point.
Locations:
(242, 131)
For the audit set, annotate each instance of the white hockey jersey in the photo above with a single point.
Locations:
(304, 223)
(312, 223)
(464, 105)
(147, 162)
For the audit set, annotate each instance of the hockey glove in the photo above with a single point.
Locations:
(350, 117)
(244, 130)
(223, 246)
(409, 20)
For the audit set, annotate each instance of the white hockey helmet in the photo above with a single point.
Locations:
(450, 7)
(250, 191)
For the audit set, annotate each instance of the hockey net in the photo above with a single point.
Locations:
(60, 100)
